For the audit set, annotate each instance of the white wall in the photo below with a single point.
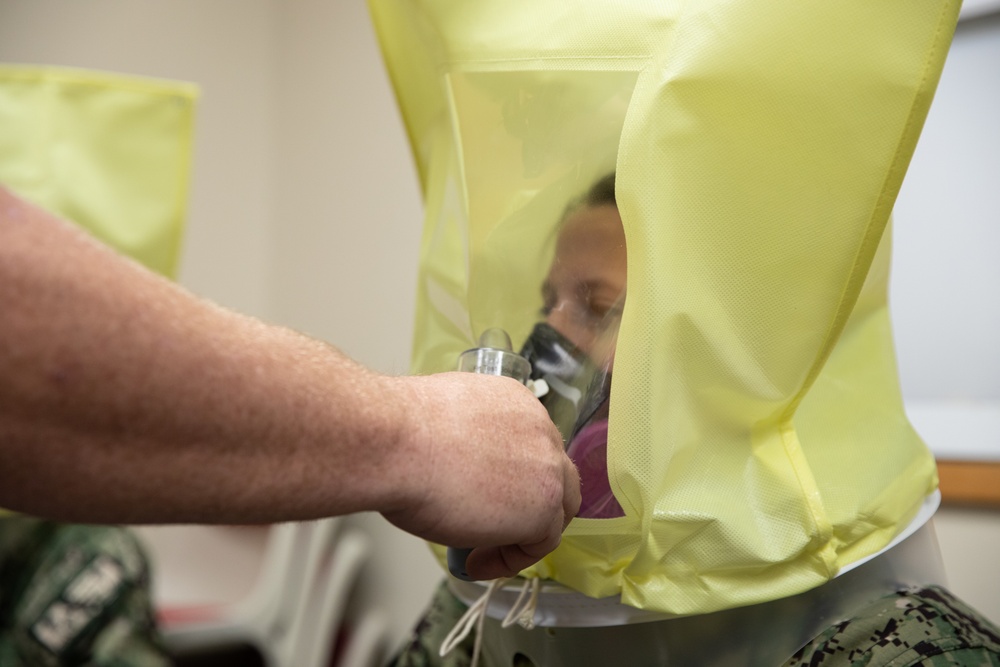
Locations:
(304, 206)
(946, 271)
(946, 274)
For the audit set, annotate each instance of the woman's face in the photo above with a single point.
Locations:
(587, 278)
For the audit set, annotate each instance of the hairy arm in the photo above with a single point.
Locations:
(126, 399)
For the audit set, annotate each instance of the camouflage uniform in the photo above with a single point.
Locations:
(74, 595)
(443, 612)
(926, 627)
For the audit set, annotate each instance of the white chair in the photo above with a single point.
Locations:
(320, 612)
(291, 615)
(366, 642)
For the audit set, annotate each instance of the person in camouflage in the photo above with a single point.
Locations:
(74, 595)
(926, 627)
(423, 648)
(923, 626)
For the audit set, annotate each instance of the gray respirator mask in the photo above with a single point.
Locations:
(577, 388)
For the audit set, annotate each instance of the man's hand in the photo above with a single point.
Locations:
(481, 465)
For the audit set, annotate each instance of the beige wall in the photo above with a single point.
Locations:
(970, 541)
(304, 205)
(347, 230)
(226, 46)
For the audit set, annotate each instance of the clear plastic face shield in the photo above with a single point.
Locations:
(571, 349)
(528, 239)
(568, 356)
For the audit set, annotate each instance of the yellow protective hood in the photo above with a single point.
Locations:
(757, 440)
(110, 152)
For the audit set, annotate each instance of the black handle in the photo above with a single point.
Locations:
(456, 562)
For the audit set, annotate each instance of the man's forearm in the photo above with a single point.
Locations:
(125, 398)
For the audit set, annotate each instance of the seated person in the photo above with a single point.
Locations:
(573, 350)
(74, 594)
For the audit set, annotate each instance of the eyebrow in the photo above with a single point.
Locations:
(547, 288)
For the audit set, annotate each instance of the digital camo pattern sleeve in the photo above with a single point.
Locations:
(424, 645)
(74, 595)
(927, 627)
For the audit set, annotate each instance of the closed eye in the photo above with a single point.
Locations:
(548, 299)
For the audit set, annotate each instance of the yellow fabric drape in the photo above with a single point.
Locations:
(107, 151)
(757, 442)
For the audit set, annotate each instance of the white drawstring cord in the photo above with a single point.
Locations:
(475, 616)
(525, 614)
